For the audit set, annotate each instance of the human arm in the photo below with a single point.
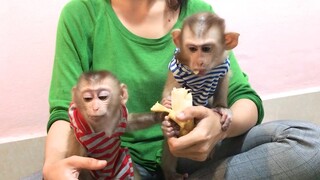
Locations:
(71, 59)
(56, 166)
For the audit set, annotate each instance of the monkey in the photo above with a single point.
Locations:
(200, 64)
(98, 117)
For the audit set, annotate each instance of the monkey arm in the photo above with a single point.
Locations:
(74, 147)
(138, 121)
(220, 105)
(169, 85)
(221, 93)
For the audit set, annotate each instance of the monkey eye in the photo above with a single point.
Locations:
(87, 99)
(193, 49)
(103, 95)
(206, 49)
(103, 98)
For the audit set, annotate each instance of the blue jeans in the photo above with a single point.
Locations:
(285, 149)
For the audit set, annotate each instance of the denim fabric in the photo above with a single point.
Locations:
(285, 149)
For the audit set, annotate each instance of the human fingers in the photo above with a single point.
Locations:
(79, 162)
(193, 112)
(201, 140)
(196, 152)
(202, 130)
(60, 170)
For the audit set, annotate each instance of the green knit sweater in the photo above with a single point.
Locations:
(91, 37)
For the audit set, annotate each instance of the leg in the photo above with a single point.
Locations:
(274, 150)
(147, 175)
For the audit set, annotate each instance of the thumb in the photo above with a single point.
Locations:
(79, 162)
(197, 112)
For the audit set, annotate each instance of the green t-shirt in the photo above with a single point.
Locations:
(91, 37)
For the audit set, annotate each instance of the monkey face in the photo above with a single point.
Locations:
(202, 52)
(95, 102)
(99, 101)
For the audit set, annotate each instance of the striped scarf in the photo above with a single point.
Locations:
(201, 87)
(99, 146)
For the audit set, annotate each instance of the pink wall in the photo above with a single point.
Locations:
(279, 43)
(27, 36)
(279, 49)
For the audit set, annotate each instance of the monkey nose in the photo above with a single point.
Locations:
(201, 64)
(95, 108)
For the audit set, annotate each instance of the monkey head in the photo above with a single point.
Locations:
(99, 96)
(203, 42)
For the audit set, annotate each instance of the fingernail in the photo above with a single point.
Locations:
(102, 162)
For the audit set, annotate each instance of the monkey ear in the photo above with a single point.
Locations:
(176, 33)
(231, 40)
(73, 93)
(124, 95)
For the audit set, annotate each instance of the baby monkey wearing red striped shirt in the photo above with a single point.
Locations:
(98, 117)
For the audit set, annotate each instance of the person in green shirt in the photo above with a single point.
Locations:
(132, 39)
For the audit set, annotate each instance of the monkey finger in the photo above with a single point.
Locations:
(166, 123)
(224, 118)
(226, 125)
(227, 119)
(171, 134)
(167, 129)
(166, 102)
(167, 118)
(215, 110)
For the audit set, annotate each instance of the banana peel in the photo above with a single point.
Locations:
(180, 99)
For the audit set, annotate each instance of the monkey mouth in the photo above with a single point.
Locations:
(199, 72)
(95, 117)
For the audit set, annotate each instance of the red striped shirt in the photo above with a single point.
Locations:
(99, 146)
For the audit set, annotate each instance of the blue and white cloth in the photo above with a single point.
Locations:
(201, 87)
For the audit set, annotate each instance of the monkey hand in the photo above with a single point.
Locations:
(179, 99)
(166, 102)
(184, 126)
(226, 117)
(170, 128)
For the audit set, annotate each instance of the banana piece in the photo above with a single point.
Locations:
(180, 99)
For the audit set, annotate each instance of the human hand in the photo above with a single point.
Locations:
(198, 144)
(68, 168)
